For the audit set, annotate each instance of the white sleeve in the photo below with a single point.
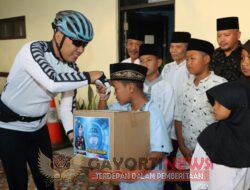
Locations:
(164, 72)
(168, 106)
(159, 136)
(66, 110)
(40, 69)
(178, 107)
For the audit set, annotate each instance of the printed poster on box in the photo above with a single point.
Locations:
(92, 137)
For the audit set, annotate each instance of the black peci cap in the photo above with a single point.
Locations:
(127, 71)
(180, 37)
(227, 23)
(150, 49)
(136, 36)
(201, 45)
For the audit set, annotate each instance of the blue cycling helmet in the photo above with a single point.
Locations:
(74, 25)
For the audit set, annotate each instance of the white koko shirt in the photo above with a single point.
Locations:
(194, 110)
(162, 94)
(137, 61)
(177, 75)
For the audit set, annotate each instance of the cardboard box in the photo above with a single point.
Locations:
(115, 139)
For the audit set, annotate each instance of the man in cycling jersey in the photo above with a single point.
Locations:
(40, 71)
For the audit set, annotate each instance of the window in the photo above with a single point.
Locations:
(131, 2)
(124, 3)
(12, 28)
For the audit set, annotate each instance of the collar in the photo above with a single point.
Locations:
(236, 51)
(145, 107)
(151, 83)
(50, 43)
(211, 75)
(137, 61)
(183, 63)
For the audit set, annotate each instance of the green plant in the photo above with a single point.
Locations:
(3, 81)
(92, 104)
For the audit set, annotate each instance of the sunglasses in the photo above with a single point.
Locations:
(78, 43)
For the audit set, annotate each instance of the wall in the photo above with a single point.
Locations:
(39, 15)
(199, 17)
(196, 16)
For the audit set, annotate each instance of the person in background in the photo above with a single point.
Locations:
(127, 80)
(225, 143)
(226, 59)
(193, 113)
(161, 92)
(40, 71)
(133, 43)
(177, 74)
(245, 64)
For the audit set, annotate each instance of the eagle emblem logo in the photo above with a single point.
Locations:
(62, 167)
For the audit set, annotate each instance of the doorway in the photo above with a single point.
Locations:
(155, 21)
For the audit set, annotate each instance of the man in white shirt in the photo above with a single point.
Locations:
(176, 74)
(133, 43)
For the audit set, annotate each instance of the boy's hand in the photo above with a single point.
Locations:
(103, 91)
(187, 153)
(103, 82)
(102, 95)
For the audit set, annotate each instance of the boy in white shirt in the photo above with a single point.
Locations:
(193, 112)
(127, 80)
(161, 91)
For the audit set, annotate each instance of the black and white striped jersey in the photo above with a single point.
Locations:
(37, 76)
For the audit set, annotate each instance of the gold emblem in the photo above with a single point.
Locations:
(62, 168)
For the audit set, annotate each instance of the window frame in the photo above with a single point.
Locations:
(14, 27)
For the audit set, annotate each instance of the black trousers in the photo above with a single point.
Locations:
(171, 185)
(17, 149)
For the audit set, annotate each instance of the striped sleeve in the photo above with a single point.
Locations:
(41, 70)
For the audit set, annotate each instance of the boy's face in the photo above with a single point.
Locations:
(122, 92)
(178, 51)
(220, 112)
(197, 62)
(245, 63)
(151, 62)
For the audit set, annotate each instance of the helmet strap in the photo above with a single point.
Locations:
(59, 46)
